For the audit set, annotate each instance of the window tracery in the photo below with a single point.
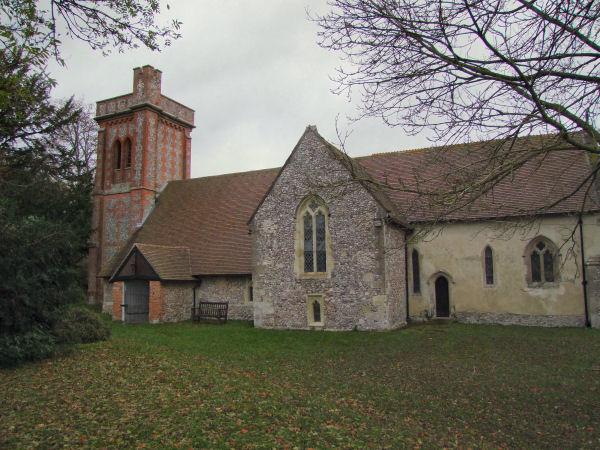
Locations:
(314, 232)
(541, 259)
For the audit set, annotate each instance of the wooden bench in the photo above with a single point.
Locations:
(210, 310)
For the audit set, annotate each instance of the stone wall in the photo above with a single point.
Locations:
(171, 301)
(177, 298)
(177, 301)
(228, 289)
(355, 289)
(395, 275)
(521, 319)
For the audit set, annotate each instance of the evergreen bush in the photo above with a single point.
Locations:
(79, 325)
(29, 346)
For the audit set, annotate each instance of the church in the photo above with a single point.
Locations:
(329, 242)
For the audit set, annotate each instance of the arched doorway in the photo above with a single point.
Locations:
(442, 297)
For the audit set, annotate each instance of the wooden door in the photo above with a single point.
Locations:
(136, 304)
(442, 297)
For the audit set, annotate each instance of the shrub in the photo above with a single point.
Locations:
(79, 325)
(29, 346)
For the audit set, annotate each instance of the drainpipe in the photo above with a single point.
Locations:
(406, 279)
(584, 280)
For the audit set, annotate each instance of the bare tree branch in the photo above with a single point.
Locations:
(474, 70)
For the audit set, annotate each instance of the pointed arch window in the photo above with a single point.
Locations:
(416, 273)
(118, 154)
(127, 151)
(314, 232)
(315, 310)
(541, 257)
(488, 263)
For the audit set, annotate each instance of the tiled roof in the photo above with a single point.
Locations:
(545, 179)
(169, 263)
(209, 215)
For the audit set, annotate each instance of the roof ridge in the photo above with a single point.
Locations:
(159, 245)
(225, 175)
(463, 144)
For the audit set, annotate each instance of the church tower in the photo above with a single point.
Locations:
(143, 142)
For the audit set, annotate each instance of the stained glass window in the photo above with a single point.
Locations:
(416, 272)
(489, 266)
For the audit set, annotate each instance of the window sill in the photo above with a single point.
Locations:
(314, 275)
(552, 285)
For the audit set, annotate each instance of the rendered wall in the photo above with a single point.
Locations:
(457, 251)
(356, 291)
(593, 280)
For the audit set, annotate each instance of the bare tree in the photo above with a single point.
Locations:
(79, 139)
(475, 69)
(37, 26)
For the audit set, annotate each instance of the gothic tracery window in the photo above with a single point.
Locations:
(541, 258)
(314, 238)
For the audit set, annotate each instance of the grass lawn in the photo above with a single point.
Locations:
(185, 385)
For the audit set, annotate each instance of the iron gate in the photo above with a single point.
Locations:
(136, 304)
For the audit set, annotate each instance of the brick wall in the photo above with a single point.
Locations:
(159, 131)
(156, 302)
(117, 300)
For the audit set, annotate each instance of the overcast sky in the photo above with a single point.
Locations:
(254, 74)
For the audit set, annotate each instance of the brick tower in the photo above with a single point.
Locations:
(143, 142)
